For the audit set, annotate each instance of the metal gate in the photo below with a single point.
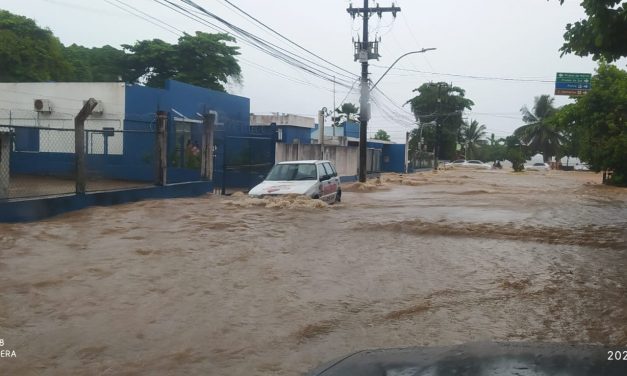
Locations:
(243, 161)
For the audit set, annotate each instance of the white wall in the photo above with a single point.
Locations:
(283, 119)
(66, 99)
(345, 158)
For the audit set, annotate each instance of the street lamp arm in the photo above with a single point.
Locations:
(396, 61)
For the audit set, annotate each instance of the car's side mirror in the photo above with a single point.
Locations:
(324, 177)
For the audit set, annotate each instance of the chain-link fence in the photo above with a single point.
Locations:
(119, 159)
(41, 161)
(36, 161)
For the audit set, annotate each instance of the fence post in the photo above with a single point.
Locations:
(206, 168)
(79, 143)
(5, 166)
(161, 161)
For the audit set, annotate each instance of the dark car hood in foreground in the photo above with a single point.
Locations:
(481, 359)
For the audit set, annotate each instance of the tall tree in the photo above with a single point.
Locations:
(382, 135)
(203, 59)
(28, 52)
(207, 60)
(151, 62)
(471, 134)
(97, 64)
(540, 133)
(598, 122)
(603, 34)
(443, 105)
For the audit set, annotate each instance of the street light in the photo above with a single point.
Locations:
(396, 61)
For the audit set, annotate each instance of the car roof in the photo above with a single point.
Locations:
(311, 161)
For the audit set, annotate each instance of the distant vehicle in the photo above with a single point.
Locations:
(582, 167)
(472, 164)
(538, 167)
(317, 179)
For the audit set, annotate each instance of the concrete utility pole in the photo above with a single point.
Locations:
(366, 51)
(79, 143)
(321, 114)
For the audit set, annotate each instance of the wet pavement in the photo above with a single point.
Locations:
(234, 286)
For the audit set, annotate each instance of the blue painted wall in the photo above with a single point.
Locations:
(233, 121)
(351, 129)
(253, 147)
(291, 133)
(394, 154)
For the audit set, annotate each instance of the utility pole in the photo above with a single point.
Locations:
(321, 115)
(436, 145)
(365, 51)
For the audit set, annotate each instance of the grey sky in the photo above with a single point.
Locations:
(492, 38)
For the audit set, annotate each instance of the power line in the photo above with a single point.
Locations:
(252, 40)
(285, 38)
(273, 49)
(468, 76)
(149, 20)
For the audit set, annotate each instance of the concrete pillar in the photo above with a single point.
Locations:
(5, 166)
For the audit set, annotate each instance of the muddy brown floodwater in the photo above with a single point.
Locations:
(235, 286)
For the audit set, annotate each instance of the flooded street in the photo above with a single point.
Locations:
(237, 286)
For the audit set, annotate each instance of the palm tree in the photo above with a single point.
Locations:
(347, 112)
(540, 133)
(471, 134)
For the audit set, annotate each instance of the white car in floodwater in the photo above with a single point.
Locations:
(472, 164)
(538, 167)
(317, 179)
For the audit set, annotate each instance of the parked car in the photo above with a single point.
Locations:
(582, 167)
(538, 167)
(317, 179)
(472, 164)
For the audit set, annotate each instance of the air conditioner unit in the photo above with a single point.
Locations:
(42, 105)
(98, 110)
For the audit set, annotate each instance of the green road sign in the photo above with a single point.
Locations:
(572, 83)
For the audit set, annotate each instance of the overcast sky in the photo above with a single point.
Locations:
(516, 39)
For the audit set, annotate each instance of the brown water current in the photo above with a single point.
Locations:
(239, 286)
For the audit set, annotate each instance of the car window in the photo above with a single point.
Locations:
(287, 172)
(538, 164)
(329, 168)
(459, 161)
(321, 171)
(474, 162)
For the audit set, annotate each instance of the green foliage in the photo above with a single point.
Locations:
(597, 122)
(151, 62)
(603, 34)
(206, 60)
(471, 135)
(98, 64)
(29, 53)
(347, 111)
(382, 135)
(516, 153)
(443, 104)
(541, 131)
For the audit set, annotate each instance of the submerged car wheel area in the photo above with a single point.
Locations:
(317, 179)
